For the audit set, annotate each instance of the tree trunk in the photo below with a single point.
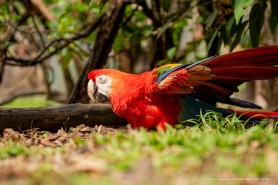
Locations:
(104, 40)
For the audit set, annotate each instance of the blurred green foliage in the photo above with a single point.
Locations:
(150, 33)
(146, 24)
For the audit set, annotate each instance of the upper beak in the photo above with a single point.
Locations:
(94, 94)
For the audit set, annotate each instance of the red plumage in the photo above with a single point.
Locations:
(174, 92)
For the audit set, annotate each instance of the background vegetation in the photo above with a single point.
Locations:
(70, 38)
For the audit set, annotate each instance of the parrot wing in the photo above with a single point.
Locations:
(215, 79)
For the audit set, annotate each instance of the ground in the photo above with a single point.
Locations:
(215, 151)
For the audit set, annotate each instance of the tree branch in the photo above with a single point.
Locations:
(38, 31)
(58, 43)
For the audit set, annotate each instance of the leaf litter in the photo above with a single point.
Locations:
(63, 151)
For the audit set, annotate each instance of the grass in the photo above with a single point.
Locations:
(29, 101)
(216, 150)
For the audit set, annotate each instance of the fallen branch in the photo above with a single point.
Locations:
(56, 117)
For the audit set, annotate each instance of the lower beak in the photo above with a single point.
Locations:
(94, 94)
(100, 97)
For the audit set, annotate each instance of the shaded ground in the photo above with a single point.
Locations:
(194, 155)
(37, 153)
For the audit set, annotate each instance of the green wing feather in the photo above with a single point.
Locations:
(162, 69)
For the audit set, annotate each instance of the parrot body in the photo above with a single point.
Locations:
(176, 92)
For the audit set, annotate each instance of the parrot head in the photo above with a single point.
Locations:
(107, 83)
(117, 87)
(99, 85)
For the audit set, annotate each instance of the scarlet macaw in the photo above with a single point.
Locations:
(175, 92)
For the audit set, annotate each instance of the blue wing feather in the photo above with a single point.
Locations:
(191, 108)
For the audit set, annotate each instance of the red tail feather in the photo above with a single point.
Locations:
(258, 115)
(245, 73)
(266, 56)
(246, 65)
(230, 70)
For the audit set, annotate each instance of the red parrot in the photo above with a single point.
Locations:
(173, 93)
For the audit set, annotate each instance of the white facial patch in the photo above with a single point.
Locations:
(91, 89)
(103, 84)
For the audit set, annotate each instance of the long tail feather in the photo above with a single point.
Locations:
(230, 70)
(245, 73)
(246, 65)
(266, 56)
(257, 114)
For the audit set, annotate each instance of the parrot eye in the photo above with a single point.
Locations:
(102, 79)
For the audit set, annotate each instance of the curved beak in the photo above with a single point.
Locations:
(94, 94)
